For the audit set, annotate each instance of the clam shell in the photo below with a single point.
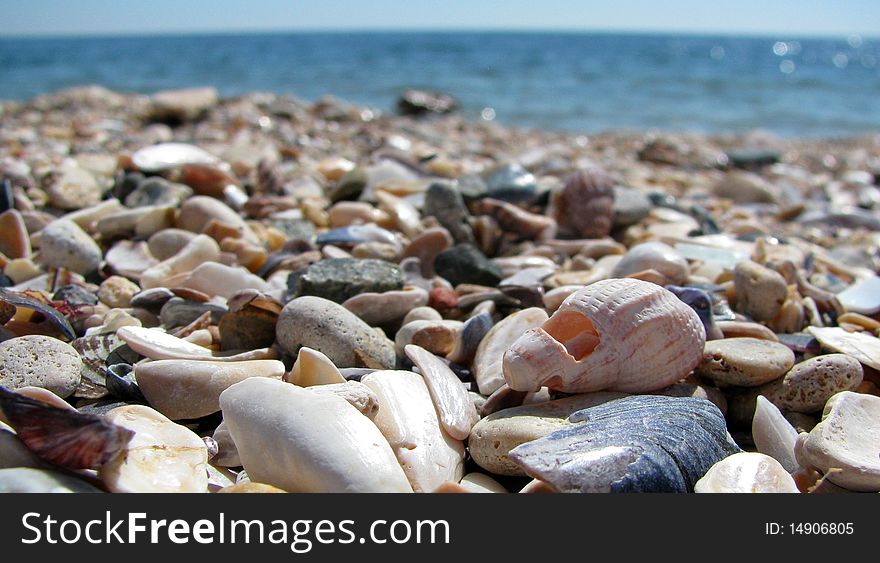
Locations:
(488, 361)
(586, 204)
(24, 300)
(635, 444)
(456, 411)
(617, 334)
(747, 472)
(94, 351)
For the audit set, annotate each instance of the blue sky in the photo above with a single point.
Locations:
(787, 17)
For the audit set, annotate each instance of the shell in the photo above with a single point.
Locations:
(454, 407)
(635, 444)
(747, 472)
(617, 334)
(586, 204)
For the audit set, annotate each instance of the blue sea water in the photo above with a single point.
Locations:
(559, 81)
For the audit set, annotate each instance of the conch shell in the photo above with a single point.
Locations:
(616, 334)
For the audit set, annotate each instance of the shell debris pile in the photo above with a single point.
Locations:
(272, 295)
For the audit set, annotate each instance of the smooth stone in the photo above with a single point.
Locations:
(421, 102)
(75, 188)
(158, 191)
(199, 250)
(760, 291)
(844, 445)
(774, 435)
(862, 297)
(437, 337)
(511, 182)
(40, 361)
(726, 258)
(198, 211)
(426, 246)
(493, 437)
(302, 441)
(631, 205)
(15, 242)
(481, 483)
(454, 407)
(162, 457)
(158, 345)
(653, 256)
(75, 296)
(13, 452)
(170, 155)
(248, 327)
(313, 368)
(745, 187)
(182, 389)
(32, 480)
(469, 338)
(64, 245)
(166, 243)
(808, 385)
(335, 331)
(444, 202)
(747, 472)
(382, 308)
(183, 104)
(403, 213)
(117, 291)
(736, 329)
(349, 186)
(464, 263)
(181, 312)
(487, 364)
(227, 453)
(339, 279)
(215, 279)
(409, 422)
(130, 258)
(356, 393)
(861, 346)
(640, 443)
(744, 362)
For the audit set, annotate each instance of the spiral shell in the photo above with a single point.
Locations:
(585, 207)
(617, 334)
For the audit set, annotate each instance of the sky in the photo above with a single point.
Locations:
(754, 17)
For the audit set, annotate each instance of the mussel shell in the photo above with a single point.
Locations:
(65, 437)
(641, 443)
(22, 300)
(122, 384)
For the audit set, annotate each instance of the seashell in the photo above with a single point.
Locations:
(554, 298)
(33, 480)
(158, 345)
(170, 155)
(701, 303)
(23, 299)
(635, 444)
(488, 361)
(215, 279)
(199, 250)
(617, 334)
(409, 422)
(303, 441)
(356, 393)
(426, 246)
(122, 384)
(403, 213)
(313, 368)
(63, 436)
(502, 398)
(585, 206)
(357, 234)
(746, 472)
(454, 407)
(773, 435)
(481, 483)
(860, 346)
(513, 219)
(94, 351)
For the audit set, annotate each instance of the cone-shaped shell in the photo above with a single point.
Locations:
(617, 334)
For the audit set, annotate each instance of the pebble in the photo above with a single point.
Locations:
(774, 435)
(178, 267)
(76, 188)
(760, 291)
(421, 314)
(653, 256)
(745, 187)
(488, 366)
(426, 246)
(197, 213)
(438, 337)
(15, 242)
(511, 182)
(339, 279)
(844, 444)
(860, 346)
(40, 361)
(166, 243)
(747, 472)
(163, 156)
(64, 245)
(808, 385)
(481, 483)
(378, 309)
(744, 362)
(32, 480)
(182, 105)
(332, 329)
(162, 457)
(178, 312)
(313, 368)
(409, 422)
(117, 291)
(13, 453)
(493, 437)
(464, 263)
(301, 441)
(159, 192)
(445, 202)
(183, 389)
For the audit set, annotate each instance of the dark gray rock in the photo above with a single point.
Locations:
(513, 183)
(465, 264)
(642, 443)
(75, 296)
(158, 191)
(423, 102)
(338, 279)
(349, 187)
(356, 234)
(752, 159)
(296, 229)
(445, 202)
(180, 312)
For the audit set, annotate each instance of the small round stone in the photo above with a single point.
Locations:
(40, 361)
(653, 256)
(117, 291)
(760, 291)
(808, 385)
(63, 244)
(744, 362)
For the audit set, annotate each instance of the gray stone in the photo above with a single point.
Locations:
(63, 244)
(339, 279)
(760, 291)
(444, 202)
(744, 362)
(158, 191)
(40, 361)
(630, 206)
(464, 263)
(513, 183)
(180, 312)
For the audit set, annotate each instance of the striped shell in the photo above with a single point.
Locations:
(617, 334)
(586, 204)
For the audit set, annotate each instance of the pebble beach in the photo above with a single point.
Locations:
(260, 294)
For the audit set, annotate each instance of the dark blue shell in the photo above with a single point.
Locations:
(642, 443)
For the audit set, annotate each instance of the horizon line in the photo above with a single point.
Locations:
(459, 29)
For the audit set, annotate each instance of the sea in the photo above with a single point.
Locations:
(577, 82)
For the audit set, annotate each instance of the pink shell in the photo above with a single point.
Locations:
(617, 334)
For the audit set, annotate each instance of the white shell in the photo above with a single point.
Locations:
(408, 421)
(774, 435)
(313, 368)
(356, 393)
(747, 472)
(487, 366)
(199, 250)
(456, 411)
(158, 345)
(618, 334)
(170, 155)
